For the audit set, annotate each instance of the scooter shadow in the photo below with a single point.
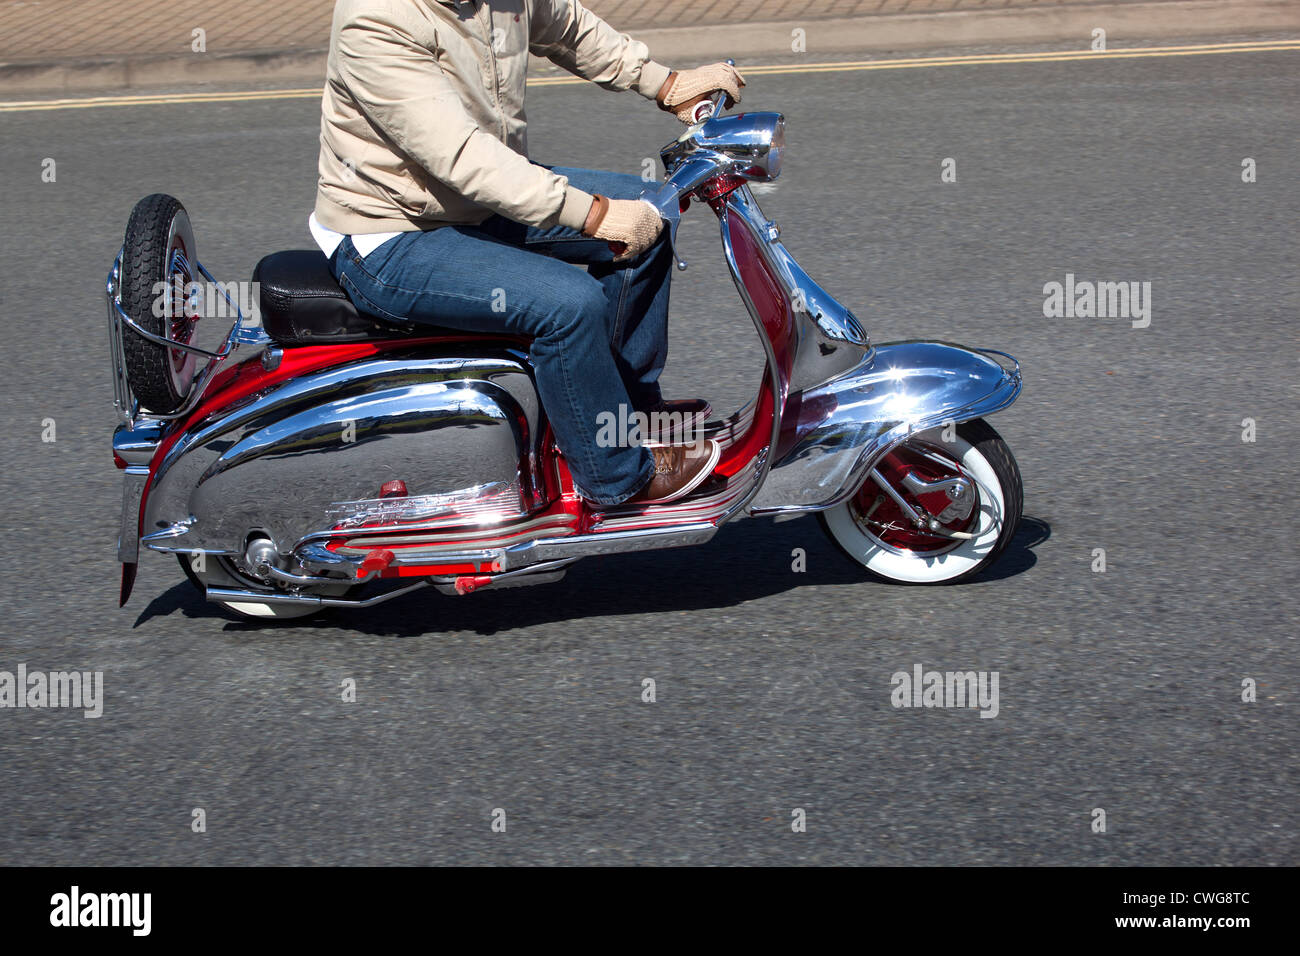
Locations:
(1019, 556)
(745, 562)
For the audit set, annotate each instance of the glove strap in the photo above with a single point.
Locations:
(665, 90)
(599, 209)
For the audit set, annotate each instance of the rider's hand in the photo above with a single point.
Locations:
(685, 89)
(630, 226)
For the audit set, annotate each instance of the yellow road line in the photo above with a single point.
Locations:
(849, 66)
(1245, 46)
(1028, 58)
(157, 100)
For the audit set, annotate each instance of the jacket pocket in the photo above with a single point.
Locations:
(412, 196)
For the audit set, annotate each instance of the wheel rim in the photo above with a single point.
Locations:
(882, 518)
(947, 560)
(182, 315)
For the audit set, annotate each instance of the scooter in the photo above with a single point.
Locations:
(321, 458)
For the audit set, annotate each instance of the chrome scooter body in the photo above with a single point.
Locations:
(279, 461)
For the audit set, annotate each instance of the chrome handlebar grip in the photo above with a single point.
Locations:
(721, 98)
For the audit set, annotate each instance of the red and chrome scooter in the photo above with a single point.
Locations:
(323, 459)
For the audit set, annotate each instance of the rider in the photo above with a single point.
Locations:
(430, 212)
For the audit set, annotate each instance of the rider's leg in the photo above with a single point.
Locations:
(636, 292)
(458, 277)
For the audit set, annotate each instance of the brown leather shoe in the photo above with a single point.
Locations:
(679, 470)
(676, 421)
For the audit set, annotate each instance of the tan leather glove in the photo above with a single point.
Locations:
(630, 226)
(684, 90)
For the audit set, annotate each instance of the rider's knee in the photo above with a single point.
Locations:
(583, 307)
(625, 186)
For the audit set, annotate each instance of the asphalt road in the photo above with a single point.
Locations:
(1118, 690)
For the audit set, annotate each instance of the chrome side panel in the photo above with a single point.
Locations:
(833, 433)
(280, 461)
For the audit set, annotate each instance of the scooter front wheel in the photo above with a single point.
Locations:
(933, 511)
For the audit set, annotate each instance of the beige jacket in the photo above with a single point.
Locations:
(423, 121)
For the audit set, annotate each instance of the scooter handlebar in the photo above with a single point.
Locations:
(708, 109)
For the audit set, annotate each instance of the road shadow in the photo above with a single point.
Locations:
(1019, 556)
(747, 561)
(181, 596)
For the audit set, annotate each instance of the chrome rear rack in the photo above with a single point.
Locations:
(242, 334)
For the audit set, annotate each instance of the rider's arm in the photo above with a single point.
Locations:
(398, 84)
(572, 37)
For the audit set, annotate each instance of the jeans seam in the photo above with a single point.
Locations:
(389, 287)
(374, 309)
(589, 459)
(550, 239)
(620, 310)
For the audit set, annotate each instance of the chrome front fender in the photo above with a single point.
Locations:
(833, 433)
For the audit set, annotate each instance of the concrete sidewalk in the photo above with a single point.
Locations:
(85, 45)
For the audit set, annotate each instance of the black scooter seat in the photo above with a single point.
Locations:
(302, 304)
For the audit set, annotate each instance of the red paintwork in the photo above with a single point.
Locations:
(742, 452)
(773, 306)
(901, 533)
(719, 188)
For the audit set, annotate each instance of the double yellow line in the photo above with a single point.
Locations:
(974, 59)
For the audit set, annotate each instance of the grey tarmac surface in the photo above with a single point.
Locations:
(1118, 690)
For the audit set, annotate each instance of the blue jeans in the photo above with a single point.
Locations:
(599, 335)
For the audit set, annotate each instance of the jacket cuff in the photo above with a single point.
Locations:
(577, 204)
(653, 76)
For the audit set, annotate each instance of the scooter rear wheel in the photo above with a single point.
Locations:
(874, 531)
